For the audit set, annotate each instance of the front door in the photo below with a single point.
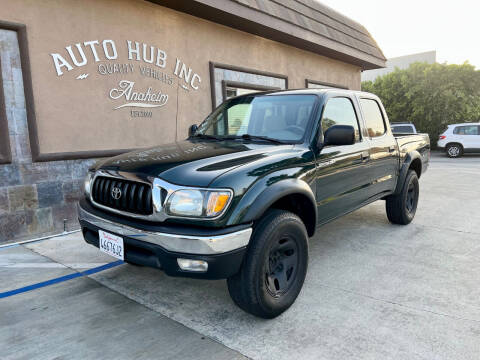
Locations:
(342, 173)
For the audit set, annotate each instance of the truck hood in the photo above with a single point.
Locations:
(191, 162)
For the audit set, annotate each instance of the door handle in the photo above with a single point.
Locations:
(392, 148)
(365, 156)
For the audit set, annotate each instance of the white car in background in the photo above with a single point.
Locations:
(460, 138)
(403, 128)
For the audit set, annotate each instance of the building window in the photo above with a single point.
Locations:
(228, 81)
(233, 88)
(232, 91)
(313, 84)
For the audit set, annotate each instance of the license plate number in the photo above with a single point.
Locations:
(111, 244)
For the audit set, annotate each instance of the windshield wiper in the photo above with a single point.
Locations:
(205, 136)
(244, 137)
(258, 137)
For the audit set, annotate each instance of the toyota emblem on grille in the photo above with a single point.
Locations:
(116, 193)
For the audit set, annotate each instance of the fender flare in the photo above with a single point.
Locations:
(257, 201)
(409, 158)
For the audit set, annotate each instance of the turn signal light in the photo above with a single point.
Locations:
(442, 137)
(217, 202)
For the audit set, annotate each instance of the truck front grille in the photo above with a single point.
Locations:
(123, 195)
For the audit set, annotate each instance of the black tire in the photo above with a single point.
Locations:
(454, 150)
(274, 267)
(401, 208)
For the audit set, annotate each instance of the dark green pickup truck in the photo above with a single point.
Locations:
(240, 198)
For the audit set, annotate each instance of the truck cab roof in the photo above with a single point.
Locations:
(305, 91)
(317, 92)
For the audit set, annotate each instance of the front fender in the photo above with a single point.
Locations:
(267, 191)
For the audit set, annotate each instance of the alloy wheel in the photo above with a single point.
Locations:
(453, 151)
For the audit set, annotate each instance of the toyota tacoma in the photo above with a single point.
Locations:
(241, 196)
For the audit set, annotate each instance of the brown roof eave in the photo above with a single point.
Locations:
(243, 18)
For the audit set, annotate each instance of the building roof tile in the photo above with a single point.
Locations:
(306, 24)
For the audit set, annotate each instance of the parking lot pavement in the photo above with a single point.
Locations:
(373, 290)
(21, 267)
(79, 318)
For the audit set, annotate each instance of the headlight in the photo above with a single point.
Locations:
(87, 184)
(186, 203)
(198, 203)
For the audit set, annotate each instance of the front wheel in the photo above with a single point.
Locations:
(275, 266)
(401, 208)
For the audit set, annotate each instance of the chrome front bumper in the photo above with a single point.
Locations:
(201, 245)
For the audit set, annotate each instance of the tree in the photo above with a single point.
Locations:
(430, 95)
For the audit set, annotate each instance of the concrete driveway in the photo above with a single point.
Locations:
(373, 291)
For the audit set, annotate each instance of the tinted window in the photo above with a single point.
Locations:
(466, 130)
(402, 129)
(373, 117)
(339, 111)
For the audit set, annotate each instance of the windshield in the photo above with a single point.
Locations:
(279, 117)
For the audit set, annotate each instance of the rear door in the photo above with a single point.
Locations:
(341, 170)
(383, 165)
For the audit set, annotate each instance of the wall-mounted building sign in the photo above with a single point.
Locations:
(148, 61)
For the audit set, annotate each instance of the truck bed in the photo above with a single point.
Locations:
(405, 139)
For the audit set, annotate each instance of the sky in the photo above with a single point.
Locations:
(405, 27)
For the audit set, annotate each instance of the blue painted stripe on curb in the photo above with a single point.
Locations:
(60, 279)
(101, 268)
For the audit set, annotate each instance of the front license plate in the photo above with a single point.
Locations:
(111, 244)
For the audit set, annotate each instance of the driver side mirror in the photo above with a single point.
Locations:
(192, 130)
(339, 135)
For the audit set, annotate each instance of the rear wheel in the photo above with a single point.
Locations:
(401, 208)
(454, 150)
(275, 266)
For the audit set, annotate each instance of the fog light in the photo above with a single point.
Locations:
(192, 265)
